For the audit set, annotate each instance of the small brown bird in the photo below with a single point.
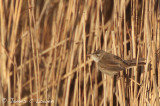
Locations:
(111, 64)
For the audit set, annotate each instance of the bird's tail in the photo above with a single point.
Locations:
(141, 61)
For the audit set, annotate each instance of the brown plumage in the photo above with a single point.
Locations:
(111, 64)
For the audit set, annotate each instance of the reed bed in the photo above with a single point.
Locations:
(44, 46)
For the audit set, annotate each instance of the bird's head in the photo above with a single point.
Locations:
(96, 56)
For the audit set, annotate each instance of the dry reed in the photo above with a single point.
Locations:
(44, 46)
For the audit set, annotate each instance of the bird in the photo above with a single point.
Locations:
(111, 64)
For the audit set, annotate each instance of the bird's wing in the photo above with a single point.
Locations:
(113, 62)
(110, 69)
(115, 59)
(108, 61)
(109, 66)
